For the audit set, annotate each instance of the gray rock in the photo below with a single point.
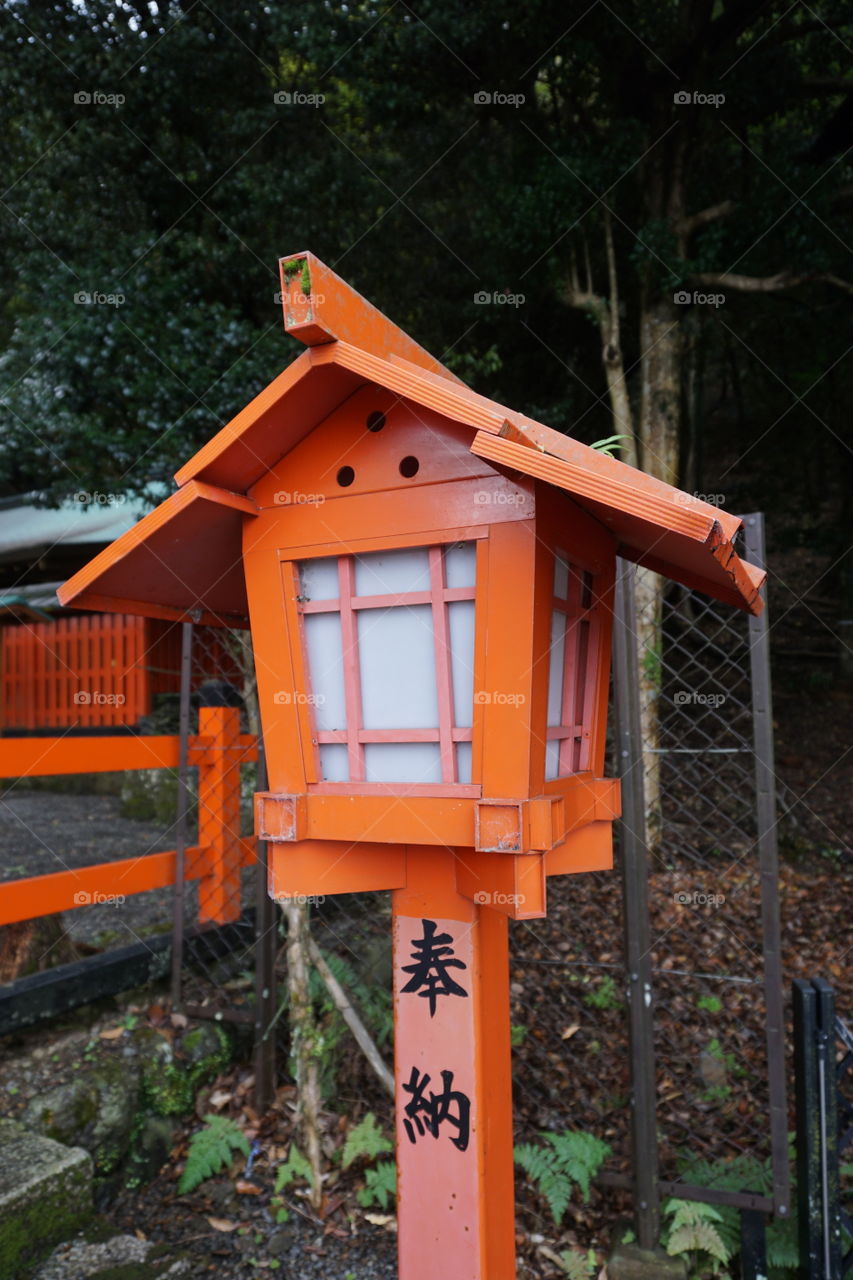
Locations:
(151, 1148)
(80, 1260)
(45, 1196)
(630, 1262)
(94, 1111)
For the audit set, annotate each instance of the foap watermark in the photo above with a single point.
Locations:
(301, 899)
(711, 499)
(696, 98)
(485, 298)
(484, 898)
(98, 499)
(83, 298)
(284, 98)
(96, 899)
(692, 697)
(300, 299)
(289, 698)
(97, 98)
(295, 498)
(497, 698)
(684, 298)
(698, 898)
(97, 698)
(500, 498)
(487, 98)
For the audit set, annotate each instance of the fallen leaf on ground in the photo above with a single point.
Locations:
(223, 1224)
(244, 1188)
(382, 1220)
(113, 1033)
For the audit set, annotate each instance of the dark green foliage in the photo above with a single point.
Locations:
(211, 1150)
(177, 200)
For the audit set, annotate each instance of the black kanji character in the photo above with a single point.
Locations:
(433, 956)
(427, 1114)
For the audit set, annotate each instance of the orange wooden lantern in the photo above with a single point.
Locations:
(428, 577)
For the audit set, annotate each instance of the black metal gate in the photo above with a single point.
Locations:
(824, 1130)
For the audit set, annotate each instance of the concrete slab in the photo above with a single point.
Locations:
(45, 1196)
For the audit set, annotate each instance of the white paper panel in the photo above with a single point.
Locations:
(385, 572)
(397, 656)
(334, 762)
(463, 761)
(460, 619)
(319, 579)
(460, 564)
(552, 759)
(402, 762)
(555, 670)
(561, 577)
(325, 668)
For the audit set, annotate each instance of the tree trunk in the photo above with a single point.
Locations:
(304, 1041)
(660, 406)
(31, 946)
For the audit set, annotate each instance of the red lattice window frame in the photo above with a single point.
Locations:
(348, 604)
(580, 609)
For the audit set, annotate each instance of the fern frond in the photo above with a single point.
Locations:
(365, 1140)
(380, 1185)
(698, 1237)
(295, 1166)
(211, 1150)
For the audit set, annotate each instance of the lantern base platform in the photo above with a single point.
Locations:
(513, 884)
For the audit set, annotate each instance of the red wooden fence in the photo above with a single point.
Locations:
(98, 670)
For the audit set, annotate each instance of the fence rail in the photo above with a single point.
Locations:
(218, 751)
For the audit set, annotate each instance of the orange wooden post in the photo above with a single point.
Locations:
(453, 1083)
(219, 891)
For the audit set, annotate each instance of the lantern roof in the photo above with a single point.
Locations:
(184, 559)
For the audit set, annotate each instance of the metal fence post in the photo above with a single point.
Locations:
(768, 856)
(753, 1245)
(635, 875)
(830, 1186)
(808, 1127)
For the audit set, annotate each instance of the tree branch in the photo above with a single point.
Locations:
(768, 284)
(687, 226)
(344, 1007)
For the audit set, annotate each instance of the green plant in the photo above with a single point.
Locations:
(737, 1174)
(605, 995)
(712, 1004)
(695, 1234)
(517, 1034)
(365, 1141)
(295, 1166)
(211, 1150)
(380, 1185)
(609, 445)
(652, 666)
(578, 1266)
(569, 1159)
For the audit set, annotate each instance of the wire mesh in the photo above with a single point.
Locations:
(217, 934)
